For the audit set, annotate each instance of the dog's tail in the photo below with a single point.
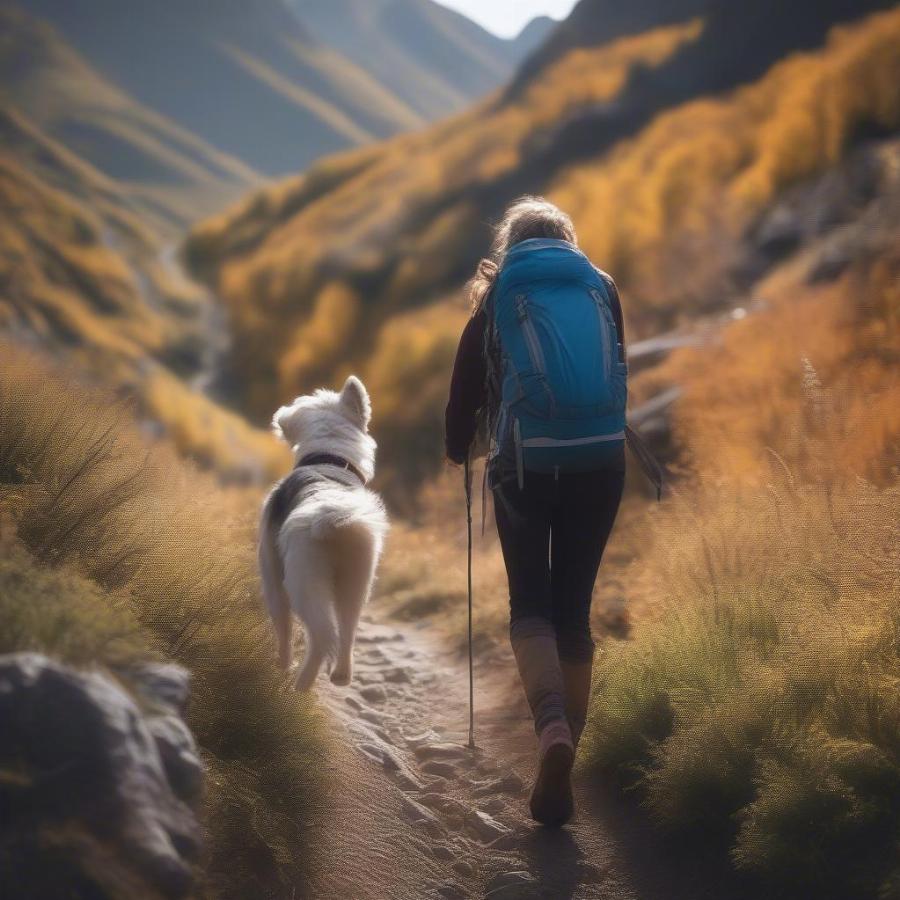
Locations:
(272, 575)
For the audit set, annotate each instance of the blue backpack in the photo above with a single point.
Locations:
(562, 388)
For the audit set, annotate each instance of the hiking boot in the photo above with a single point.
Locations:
(577, 681)
(551, 800)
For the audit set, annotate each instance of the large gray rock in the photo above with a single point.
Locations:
(96, 790)
(164, 689)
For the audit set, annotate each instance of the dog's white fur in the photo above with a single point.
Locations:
(321, 562)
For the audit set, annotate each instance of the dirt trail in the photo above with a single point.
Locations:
(419, 815)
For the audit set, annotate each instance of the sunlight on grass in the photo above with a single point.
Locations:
(836, 348)
(762, 698)
(166, 552)
(758, 699)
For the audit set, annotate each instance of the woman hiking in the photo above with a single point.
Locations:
(541, 364)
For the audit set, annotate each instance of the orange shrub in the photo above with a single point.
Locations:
(688, 184)
(740, 395)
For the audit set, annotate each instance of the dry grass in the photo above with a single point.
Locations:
(761, 701)
(60, 612)
(758, 698)
(843, 334)
(423, 574)
(166, 551)
(206, 432)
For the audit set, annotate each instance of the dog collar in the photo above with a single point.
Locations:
(330, 459)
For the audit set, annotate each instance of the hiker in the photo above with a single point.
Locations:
(541, 366)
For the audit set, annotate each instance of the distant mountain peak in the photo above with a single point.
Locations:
(533, 34)
(538, 23)
(435, 59)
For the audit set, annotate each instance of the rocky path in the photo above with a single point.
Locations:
(419, 815)
(462, 811)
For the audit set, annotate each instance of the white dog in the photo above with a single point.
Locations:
(322, 530)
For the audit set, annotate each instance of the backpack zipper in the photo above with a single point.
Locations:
(531, 339)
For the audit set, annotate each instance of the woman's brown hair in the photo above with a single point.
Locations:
(527, 217)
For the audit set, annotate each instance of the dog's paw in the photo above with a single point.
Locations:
(341, 676)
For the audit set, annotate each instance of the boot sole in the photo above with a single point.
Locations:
(551, 800)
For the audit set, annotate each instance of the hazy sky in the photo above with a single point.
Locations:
(507, 17)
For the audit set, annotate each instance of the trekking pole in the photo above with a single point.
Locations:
(467, 476)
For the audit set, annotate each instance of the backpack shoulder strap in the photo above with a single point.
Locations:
(607, 284)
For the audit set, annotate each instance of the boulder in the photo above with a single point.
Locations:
(97, 789)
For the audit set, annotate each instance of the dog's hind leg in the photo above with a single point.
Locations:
(354, 582)
(309, 583)
(277, 603)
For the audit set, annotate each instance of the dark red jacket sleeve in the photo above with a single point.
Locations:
(467, 389)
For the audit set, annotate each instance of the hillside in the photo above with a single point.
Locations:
(164, 169)
(434, 59)
(762, 31)
(265, 86)
(757, 699)
(533, 35)
(71, 246)
(379, 242)
(410, 212)
(244, 77)
(594, 22)
(87, 280)
(115, 552)
(737, 168)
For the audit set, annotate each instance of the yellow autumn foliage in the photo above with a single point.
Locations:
(394, 218)
(321, 339)
(663, 210)
(830, 347)
(664, 207)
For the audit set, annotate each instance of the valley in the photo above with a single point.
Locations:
(211, 208)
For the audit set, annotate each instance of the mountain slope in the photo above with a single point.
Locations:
(72, 249)
(594, 22)
(434, 59)
(389, 236)
(86, 280)
(278, 90)
(535, 33)
(244, 76)
(740, 41)
(167, 170)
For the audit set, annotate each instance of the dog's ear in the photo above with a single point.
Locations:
(282, 424)
(355, 398)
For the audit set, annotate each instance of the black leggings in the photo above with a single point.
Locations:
(553, 533)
